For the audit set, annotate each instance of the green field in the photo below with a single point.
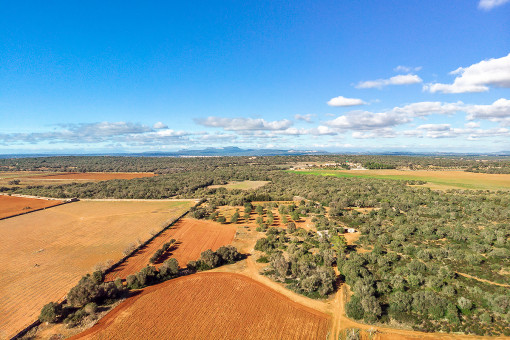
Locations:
(440, 180)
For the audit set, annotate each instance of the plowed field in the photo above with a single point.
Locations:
(96, 176)
(210, 306)
(192, 237)
(12, 206)
(43, 254)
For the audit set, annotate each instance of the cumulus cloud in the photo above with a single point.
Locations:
(477, 77)
(365, 120)
(95, 133)
(321, 130)
(497, 112)
(378, 133)
(239, 124)
(446, 131)
(487, 5)
(307, 118)
(160, 125)
(401, 79)
(342, 101)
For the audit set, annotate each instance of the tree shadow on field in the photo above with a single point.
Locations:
(168, 254)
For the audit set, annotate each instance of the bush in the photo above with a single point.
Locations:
(228, 254)
(90, 308)
(50, 312)
(169, 269)
(354, 309)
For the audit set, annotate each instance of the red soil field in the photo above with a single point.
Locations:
(13, 205)
(98, 176)
(192, 238)
(210, 306)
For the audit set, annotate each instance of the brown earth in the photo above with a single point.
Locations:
(231, 306)
(96, 176)
(13, 205)
(43, 254)
(192, 238)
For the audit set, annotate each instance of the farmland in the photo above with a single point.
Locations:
(45, 253)
(12, 205)
(192, 237)
(443, 179)
(50, 178)
(244, 185)
(240, 307)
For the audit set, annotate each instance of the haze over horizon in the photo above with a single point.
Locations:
(329, 75)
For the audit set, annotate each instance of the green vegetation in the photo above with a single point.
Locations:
(408, 266)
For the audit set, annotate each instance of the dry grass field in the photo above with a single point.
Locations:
(210, 306)
(44, 253)
(192, 238)
(12, 205)
(244, 185)
(436, 179)
(52, 178)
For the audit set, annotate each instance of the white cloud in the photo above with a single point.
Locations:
(401, 79)
(365, 120)
(160, 125)
(342, 101)
(496, 112)
(307, 118)
(406, 69)
(477, 77)
(240, 124)
(378, 133)
(472, 125)
(490, 4)
(434, 127)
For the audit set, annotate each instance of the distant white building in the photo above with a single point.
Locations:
(323, 233)
(350, 230)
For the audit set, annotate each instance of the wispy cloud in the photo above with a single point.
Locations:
(160, 125)
(401, 79)
(307, 118)
(342, 101)
(487, 5)
(407, 69)
(477, 77)
(239, 124)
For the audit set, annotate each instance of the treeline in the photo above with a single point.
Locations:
(165, 165)
(91, 292)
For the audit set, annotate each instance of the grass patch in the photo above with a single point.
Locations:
(442, 180)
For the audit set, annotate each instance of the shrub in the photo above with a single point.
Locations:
(90, 308)
(354, 309)
(169, 269)
(50, 312)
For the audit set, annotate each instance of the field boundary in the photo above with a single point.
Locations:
(36, 323)
(125, 258)
(64, 201)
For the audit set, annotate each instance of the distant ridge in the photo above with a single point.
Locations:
(236, 151)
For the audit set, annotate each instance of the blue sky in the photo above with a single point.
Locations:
(131, 76)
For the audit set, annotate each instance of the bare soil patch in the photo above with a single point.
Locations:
(95, 176)
(210, 306)
(192, 238)
(13, 205)
(45, 253)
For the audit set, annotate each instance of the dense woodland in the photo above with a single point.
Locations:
(164, 165)
(412, 264)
